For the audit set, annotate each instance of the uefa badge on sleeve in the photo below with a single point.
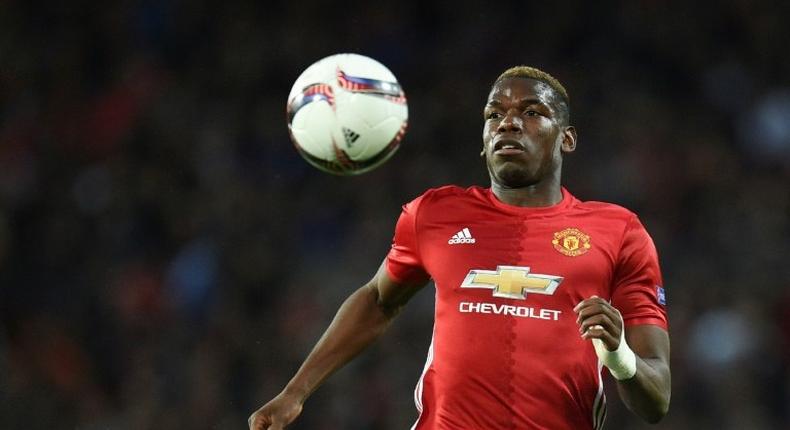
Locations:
(661, 295)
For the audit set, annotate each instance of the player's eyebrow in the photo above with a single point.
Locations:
(523, 102)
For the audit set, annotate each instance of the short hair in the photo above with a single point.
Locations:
(539, 75)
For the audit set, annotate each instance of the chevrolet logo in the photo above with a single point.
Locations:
(512, 282)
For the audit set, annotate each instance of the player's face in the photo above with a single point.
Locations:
(524, 135)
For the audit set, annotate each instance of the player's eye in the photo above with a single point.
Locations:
(530, 112)
(493, 115)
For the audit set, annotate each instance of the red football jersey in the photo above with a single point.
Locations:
(506, 351)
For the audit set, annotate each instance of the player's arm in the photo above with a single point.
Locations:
(361, 319)
(647, 393)
(637, 357)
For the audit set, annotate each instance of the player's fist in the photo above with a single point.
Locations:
(276, 414)
(597, 319)
(602, 323)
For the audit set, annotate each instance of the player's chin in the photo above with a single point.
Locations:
(515, 175)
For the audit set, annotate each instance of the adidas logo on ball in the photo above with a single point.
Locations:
(351, 136)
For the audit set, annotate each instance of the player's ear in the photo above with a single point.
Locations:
(569, 139)
(483, 153)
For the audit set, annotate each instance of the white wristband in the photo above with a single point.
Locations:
(622, 361)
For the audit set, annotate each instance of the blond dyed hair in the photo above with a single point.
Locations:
(538, 75)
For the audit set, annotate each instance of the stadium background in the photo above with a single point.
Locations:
(167, 259)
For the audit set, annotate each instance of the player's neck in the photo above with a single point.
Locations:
(542, 194)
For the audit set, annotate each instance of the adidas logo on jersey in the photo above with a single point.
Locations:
(463, 236)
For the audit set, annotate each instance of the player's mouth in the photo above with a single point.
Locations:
(506, 146)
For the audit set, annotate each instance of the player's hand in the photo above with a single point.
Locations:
(597, 319)
(277, 414)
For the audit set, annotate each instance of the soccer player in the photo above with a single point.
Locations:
(536, 291)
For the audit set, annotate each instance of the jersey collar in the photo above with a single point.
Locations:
(567, 201)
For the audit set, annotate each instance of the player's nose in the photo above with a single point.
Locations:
(511, 123)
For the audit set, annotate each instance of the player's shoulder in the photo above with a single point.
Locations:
(606, 210)
(449, 192)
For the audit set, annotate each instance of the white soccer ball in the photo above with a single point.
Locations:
(347, 114)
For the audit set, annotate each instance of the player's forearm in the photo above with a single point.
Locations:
(647, 393)
(358, 322)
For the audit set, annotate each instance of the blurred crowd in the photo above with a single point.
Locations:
(167, 259)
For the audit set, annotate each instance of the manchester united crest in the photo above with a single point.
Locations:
(571, 242)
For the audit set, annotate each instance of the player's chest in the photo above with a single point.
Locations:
(512, 250)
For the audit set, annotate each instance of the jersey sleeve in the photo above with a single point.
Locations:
(403, 260)
(638, 288)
